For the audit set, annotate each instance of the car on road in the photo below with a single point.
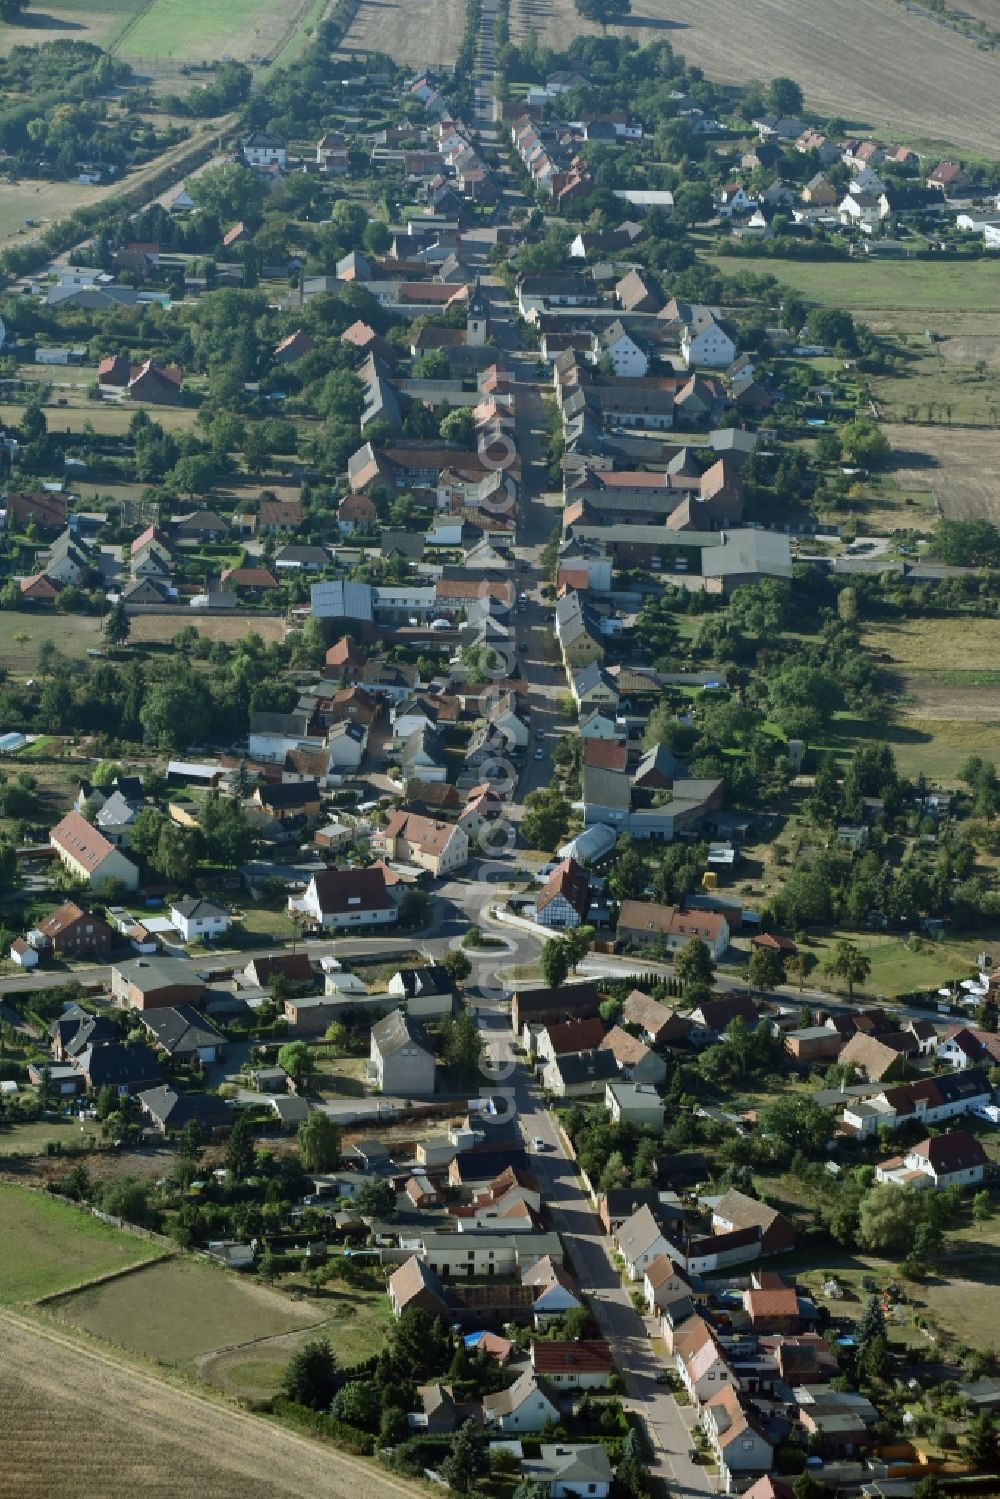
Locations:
(537, 1143)
(539, 754)
(539, 733)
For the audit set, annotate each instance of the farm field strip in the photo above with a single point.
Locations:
(422, 34)
(855, 61)
(134, 1433)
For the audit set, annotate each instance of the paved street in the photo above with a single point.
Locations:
(589, 1253)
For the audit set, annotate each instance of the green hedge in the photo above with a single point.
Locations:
(350, 1438)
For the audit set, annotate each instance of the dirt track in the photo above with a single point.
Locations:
(78, 1424)
(869, 62)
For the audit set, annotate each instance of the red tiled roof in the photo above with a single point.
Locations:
(578, 1356)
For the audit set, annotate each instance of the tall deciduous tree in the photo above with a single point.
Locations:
(319, 1142)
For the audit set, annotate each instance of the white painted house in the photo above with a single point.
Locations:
(955, 1159)
(705, 344)
(198, 919)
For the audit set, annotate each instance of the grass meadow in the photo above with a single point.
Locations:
(179, 1310)
(47, 1246)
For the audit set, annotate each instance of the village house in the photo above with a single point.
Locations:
(735, 1211)
(954, 1159)
(564, 899)
(643, 923)
(89, 856)
(402, 1060)
(928, 1100)
(699, 1360)
(345, 898)
(577, 1364)
(640, 1240)
(155, 983)
(664, 1283)
(638, 1104)
(438, 847)
(184, 1034)
(736, 1437)
(525, 1407)
(72, 932)
(199, 919)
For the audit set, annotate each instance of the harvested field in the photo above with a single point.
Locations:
(971, 349)
(855, 59)
(135, 1434)
(160, 629)
(960, 467)
(426, 33)
(47, 1245)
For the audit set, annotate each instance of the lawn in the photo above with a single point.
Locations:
(23, 634)
(355, 1321)
(32, 1139)
(107, 418)
(142, 1312)
(930, 744)
(896, 969)
(258, 921)
(960, 1306)
(881, 286)
(47, 1245)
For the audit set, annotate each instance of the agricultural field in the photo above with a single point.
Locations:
(133, 1433)
(862, 73)
(177, 31)
(958, 466)
(47, 1245)
(947, 667)
(140, 1312)
(915, 294)
(418, 34)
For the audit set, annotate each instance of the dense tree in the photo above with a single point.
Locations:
(546, 819)
(461, 1044)
(982, 1442)
(966, 543)
(784, 97)
(375, 1198)
(850, 964)
(865, 442)
(297, 1058)
(796, 1125)
(554, 962)
(310, 1376)
(117, 624)
(765, 969)
(240, 1148)
(457, 966)
(694, 963)
(467, 1458)
(319, 1142)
